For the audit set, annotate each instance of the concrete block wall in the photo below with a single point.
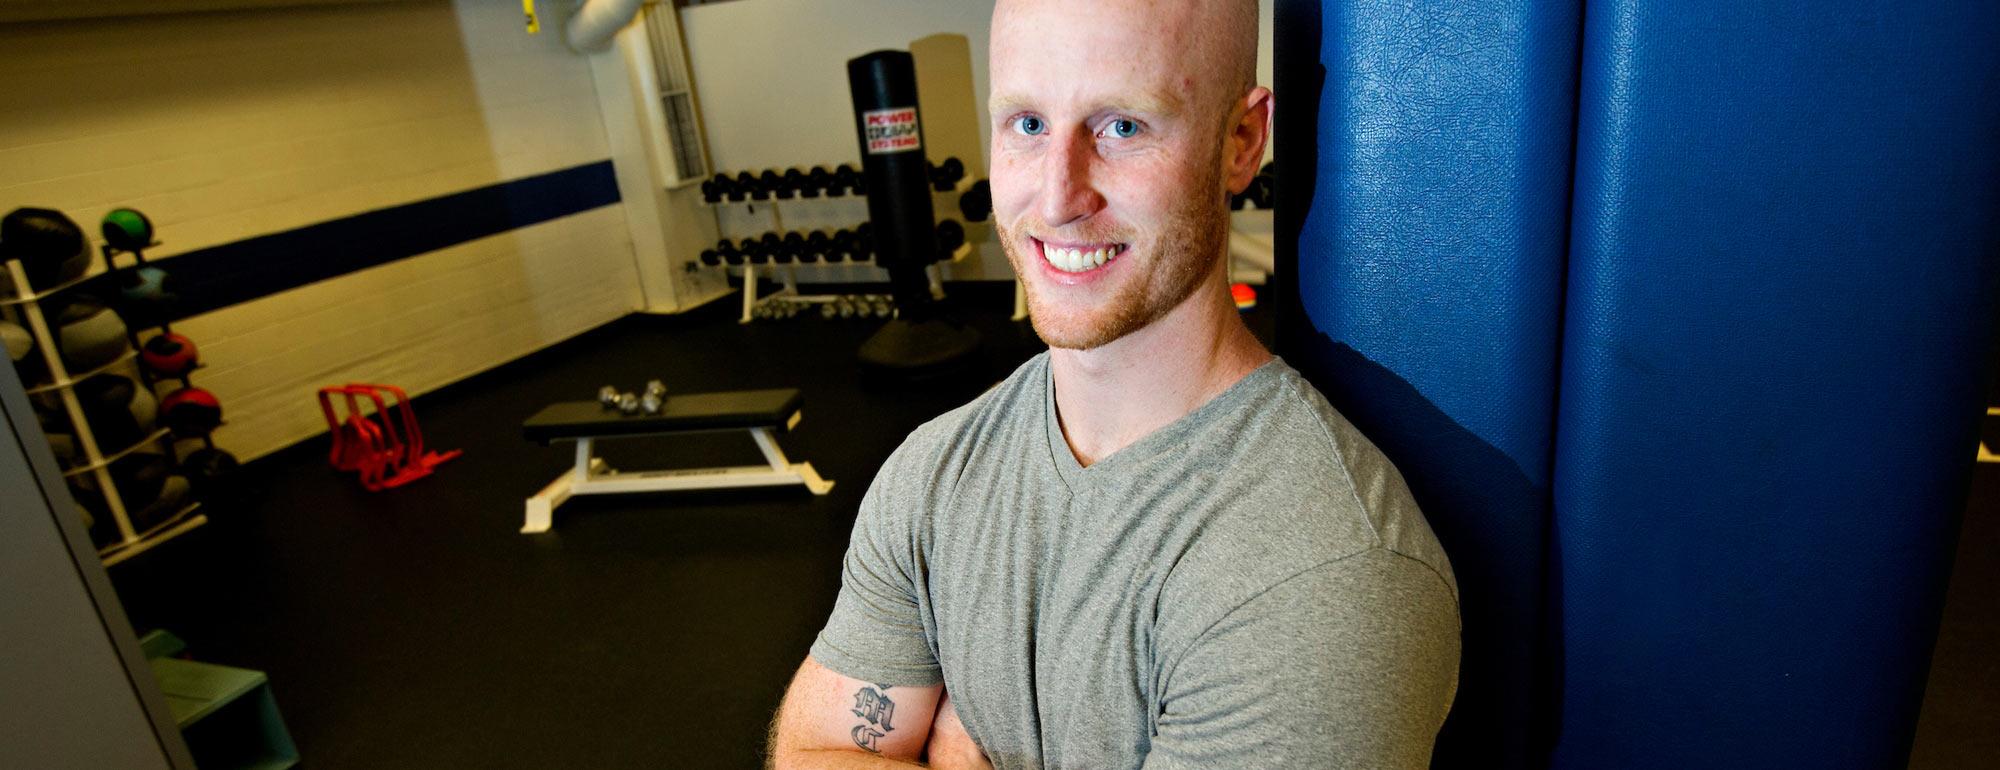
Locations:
(225, 126)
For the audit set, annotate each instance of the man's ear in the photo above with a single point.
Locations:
(1247, 137)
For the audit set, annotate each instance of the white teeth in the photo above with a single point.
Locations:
(1078, 260)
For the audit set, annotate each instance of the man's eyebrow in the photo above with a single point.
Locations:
(1006, 105)
(1141, 104)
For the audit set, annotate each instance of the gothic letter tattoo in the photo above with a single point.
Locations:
(873, 704)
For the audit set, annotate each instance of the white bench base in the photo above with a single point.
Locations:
(592, 477)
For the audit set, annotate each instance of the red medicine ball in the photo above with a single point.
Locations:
(190, 412)
(168, 355)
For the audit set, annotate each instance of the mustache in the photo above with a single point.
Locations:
(1042, 232)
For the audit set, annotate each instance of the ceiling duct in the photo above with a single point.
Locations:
(594, 24)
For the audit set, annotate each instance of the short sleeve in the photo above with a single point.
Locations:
(1352, 664)
(876, 631)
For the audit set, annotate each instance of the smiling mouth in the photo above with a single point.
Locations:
(1078, 257)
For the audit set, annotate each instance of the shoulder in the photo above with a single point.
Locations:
(1329, 477)
(1366, 602)
(1297, 491)
(929, 461)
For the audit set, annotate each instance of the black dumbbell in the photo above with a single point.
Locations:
(747, 186)
(726, 249)
(950, 236)
(977, 202)
(795, 183)
(818, 180)
(770, 244)
(846, 180)
(842, 245)
(817, 245)
(773, 184)
(755, 251)
(1265, 194)
(794, 245)
(945, 176)
(864, 242)
(1261, 188)
(710, 258)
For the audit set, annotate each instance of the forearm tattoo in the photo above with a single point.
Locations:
(873, 705)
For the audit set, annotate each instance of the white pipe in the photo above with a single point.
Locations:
(592, 27)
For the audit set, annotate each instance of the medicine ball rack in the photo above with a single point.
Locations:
(145, 299)
(26, 306)
(780, 249)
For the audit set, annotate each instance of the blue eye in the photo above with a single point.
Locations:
(1124, 129)
(1030, 125)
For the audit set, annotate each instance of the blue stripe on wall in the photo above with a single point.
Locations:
(220, 276)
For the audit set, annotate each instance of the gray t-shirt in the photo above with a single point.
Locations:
(1250, 586)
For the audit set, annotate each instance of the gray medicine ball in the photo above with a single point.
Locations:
(95, 338)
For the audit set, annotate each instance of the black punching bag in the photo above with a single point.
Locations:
(886, 122)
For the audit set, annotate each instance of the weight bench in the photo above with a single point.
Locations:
(757, 411)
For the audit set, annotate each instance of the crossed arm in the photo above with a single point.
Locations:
(835, 722)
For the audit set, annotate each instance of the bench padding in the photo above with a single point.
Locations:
(732, 410)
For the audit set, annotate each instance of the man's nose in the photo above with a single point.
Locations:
(1068, 194)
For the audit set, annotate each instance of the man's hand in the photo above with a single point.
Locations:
(950, 747)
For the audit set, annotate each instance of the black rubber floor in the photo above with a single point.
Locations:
(418, 628)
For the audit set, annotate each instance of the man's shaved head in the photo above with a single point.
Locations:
(1212, 43)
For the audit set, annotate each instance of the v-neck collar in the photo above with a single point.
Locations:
(1075, 476)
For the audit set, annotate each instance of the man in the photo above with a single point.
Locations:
(1156, 545)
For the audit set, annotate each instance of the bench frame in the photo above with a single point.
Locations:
(591, 476)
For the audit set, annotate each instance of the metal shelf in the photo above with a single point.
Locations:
(128, 355)
(23, 299)
(181, 522)
(114, 457)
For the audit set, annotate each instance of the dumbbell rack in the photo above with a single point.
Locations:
(26, 307)
(789, 292)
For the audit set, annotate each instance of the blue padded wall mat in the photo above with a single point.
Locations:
(1425, 169)
(1779, 297)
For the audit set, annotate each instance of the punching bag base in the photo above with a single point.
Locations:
(908, 350)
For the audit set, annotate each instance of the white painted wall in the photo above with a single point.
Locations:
(772, 77)
(224, 126)
(772, 74)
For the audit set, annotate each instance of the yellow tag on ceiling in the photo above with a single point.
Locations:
(534, 25)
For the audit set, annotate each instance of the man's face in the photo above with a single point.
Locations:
(1106, 165)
